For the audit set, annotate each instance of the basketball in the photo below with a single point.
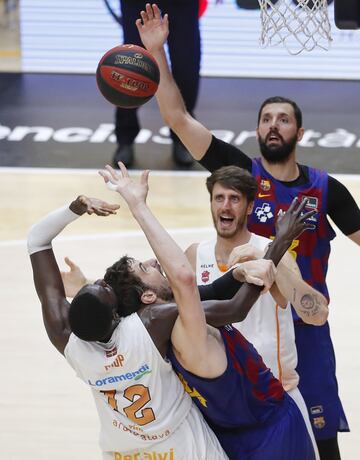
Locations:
(127, 76)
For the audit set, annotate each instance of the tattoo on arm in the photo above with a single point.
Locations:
(310, 304)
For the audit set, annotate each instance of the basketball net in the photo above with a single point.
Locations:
(301, 25)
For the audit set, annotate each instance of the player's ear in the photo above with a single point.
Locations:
(300, 134)
(250, 208)
(148, 297)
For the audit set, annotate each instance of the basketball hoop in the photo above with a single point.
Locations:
(300, 25)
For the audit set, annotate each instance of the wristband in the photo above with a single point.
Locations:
(43, 232)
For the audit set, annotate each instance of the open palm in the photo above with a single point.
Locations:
(132, 192)
(153, 28)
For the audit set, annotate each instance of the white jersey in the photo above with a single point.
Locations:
(141, 403)
(267, 326)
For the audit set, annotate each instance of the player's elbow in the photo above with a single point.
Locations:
(186, 277)
(176, 120)
(35, 241)
(320, 317)
(316, 321)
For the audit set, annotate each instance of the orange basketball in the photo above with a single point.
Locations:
(127, 76)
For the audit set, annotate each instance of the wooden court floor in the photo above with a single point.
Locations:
(45, 411)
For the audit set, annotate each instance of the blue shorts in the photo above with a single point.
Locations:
(318, 384)
(283, 438)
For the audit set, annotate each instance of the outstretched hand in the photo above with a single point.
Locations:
(84, 204)
(293, 222)
(134, 193)
(153, 28)
(74, 279)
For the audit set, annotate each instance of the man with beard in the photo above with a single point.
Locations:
(269, 325)
(280, 178)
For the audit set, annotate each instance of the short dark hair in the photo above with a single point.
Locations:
(235, 178)
(283, 100)
(127, 286)
(89, 318)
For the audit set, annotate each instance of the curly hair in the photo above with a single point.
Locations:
(127, 286)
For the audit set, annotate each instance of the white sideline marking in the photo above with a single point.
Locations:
(94, 172)
(90, 172)
(125, 234)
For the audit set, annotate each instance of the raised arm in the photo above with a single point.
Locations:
(189, 335)
(47, 278)
(154, 30)
(343, 210)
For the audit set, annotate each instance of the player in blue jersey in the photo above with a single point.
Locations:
(247, 408)
(280, 179)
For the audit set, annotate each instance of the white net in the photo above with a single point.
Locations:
(298, 24)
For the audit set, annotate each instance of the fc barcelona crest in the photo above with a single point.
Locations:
(319, 422)
(265, 185)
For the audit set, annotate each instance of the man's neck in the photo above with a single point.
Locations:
(224, 246)
(286, 172)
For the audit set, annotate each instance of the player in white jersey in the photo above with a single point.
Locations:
(269, 324)
(143, 408)
(119, 350)
(127, 376)
(198, 348)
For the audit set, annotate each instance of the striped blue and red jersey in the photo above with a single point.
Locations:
(245, 395)
(273, 198)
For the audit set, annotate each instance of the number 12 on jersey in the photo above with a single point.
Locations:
(139, 396)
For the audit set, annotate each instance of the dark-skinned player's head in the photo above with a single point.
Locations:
(93, 312)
